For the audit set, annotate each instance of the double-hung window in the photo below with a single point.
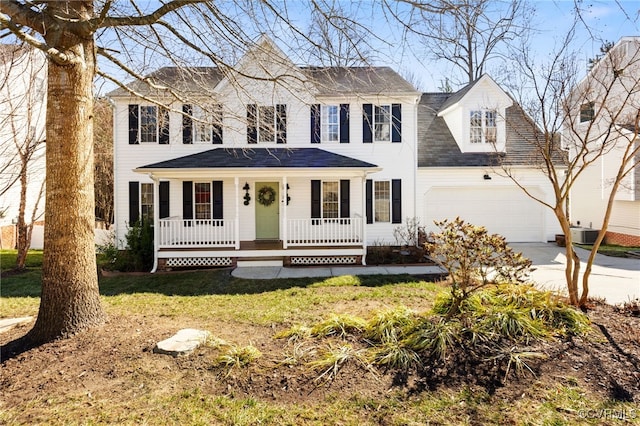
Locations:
(587, 112)
(382, 123)
(266, 123)
(382, 201)
(146, 201)
(330, 123)
(330, 199)
(483, 126)
(148, 124)
(202, 124)
(202, 200)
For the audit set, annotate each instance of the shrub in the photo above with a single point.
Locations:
(139, 253)
(474, 259)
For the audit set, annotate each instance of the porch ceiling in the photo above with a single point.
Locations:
(259, 159)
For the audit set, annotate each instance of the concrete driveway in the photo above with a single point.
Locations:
(614, 279)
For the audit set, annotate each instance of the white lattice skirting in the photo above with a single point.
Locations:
(177, 262)
(324, 260)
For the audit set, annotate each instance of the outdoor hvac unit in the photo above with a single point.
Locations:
(584, 235)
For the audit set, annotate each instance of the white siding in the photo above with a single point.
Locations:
(504, 208)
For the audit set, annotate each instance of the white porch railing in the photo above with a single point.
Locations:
(185, 233)
(322, 232)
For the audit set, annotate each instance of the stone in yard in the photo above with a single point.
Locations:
(183, 342)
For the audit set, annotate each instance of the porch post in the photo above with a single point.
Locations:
(236, 224)
(285, 235)
(156, 221)
(364, 219)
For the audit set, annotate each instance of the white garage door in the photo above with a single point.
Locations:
(502, 210)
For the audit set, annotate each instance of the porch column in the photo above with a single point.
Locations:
(364, 219)
(156, 221)
(236, 224)
(285, 235)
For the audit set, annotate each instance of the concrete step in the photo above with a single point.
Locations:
(259, 262)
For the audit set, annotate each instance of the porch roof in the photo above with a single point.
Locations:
(260, 158)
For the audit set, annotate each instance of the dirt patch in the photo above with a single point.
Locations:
(116, 363)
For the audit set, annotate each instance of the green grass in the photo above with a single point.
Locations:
(610, 250)
(390, 304)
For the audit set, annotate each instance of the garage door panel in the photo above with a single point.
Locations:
(505, 211)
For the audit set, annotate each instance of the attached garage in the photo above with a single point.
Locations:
(507, 210)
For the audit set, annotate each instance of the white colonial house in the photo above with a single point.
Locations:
(272, 160)
(274, 163)
(605, 116)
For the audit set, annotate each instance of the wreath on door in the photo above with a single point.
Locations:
(266, 195)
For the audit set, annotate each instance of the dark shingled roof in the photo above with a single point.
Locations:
(438, 148)
(189, 79)
(358, 80)
(327, 80)
(261, 158)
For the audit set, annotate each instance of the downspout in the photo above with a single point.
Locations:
(364, 218)
(112, 104)
(156, 221)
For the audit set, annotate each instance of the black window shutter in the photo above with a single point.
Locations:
(163, 191)
(315, 123)
(344, 123)
(187, 135)
(252, 123)
(344, 198)
(217, 125)
(281, 123)
(369, 200)
(216, 192)
(163, 117)
(133, 125)
(396, 201)
(396, 123)
(134, 202)
(187, 200)
(367, 123)
(315, 198)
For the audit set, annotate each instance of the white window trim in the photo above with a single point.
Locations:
(274, 129)
(322, 200)
(483, 126)
(141, 204)
(324, 125)
(375, 122)
(157, 124)
(374, 201)
(195, 203)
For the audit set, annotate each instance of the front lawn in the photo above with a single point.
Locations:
(247, 375)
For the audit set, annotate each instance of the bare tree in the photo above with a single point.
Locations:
(587, 120)
(23, 92)
(130, 38)
(103, 157)
(468, 34)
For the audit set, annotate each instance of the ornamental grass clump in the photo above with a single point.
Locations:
(238, 357)
(339, 326)
(389, 325)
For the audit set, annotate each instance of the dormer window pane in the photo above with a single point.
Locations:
(483, 126)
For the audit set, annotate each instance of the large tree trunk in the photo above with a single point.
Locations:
(70, 300)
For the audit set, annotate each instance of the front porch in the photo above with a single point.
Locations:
(195, 242)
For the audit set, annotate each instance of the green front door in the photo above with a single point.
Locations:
(267, 211)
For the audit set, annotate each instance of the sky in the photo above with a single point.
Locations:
(608, 20)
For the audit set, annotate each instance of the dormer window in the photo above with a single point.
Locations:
(587, 112)
(483, 127)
